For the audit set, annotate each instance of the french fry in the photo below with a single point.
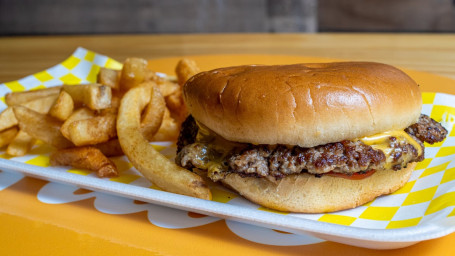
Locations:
(41, 127)
(21, 144)
(115, 103)
(93, 130)
(110, 148)
(153, 113)
(135, 104)
(7, 136)
(166, 86)
(171, 78)
(151, 76)
(177, 106)
(94, 96)
(80, 114)
(85, 158)
(109, 77)
(185, 69)
(116, 98)
(18, 98)
(62, 107)
(169, 129)
(7, 119)
(40, 105)
(134, 72)
(153, 165)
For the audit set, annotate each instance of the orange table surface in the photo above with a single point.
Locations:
(31, 227)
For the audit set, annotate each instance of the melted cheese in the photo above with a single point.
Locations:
(218, 144)
(215, 165)
(381, 141)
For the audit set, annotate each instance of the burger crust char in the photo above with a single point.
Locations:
(346, 157)
(428, 130)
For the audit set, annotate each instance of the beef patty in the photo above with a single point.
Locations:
(277, 161)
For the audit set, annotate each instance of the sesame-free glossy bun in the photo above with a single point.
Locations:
(309, 194)
(303, 104)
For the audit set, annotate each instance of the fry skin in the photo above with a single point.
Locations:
(109, 77)
(41, 127)
(89, 158)
(133, 73)
(94, 96)
(7, 119)
(20, 145)
(18, 98)
(177, 106)
(80, 114)
(110, 148)
(167, 87)
(153, 114)
(147, 160)
(93, 130)
(7, 136)
(185, 69)
(169, 129)
(40, 105)
(62, 107)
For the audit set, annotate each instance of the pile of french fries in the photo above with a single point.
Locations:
(84, 124)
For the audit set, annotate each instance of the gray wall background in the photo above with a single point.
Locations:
(42, 17)
(387, 15)
(154, 16)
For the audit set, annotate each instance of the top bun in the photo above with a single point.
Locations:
(303, 104)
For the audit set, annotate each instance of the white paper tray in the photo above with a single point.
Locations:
(412, 221)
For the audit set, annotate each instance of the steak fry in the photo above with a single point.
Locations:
(89, 158)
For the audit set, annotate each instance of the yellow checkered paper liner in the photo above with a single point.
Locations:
(429, 194)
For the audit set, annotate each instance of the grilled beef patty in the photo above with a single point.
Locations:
(277, 161)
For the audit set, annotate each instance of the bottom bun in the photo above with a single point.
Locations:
(307, 194)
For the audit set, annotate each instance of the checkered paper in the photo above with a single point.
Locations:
(429, 194)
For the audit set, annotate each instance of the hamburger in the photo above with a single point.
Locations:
(309, 138)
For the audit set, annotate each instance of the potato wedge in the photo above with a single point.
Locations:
(153, 113)
(169, 129)
(93, 130)
(89, 158)
(62, 107)
(109, 77)
(151, 75)
(17, 98)
(80, 114)
(153, 165)
(116, 98)
(110, 148)
(115, 103)
(41, 127)
(7, 136)
(40, 105)
(94, 96)
(134, 72)
(21, 144)
(167, 87)
(7, 119)
(177, 106)
(185, 69)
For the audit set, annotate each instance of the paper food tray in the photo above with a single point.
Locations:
(423, 209)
